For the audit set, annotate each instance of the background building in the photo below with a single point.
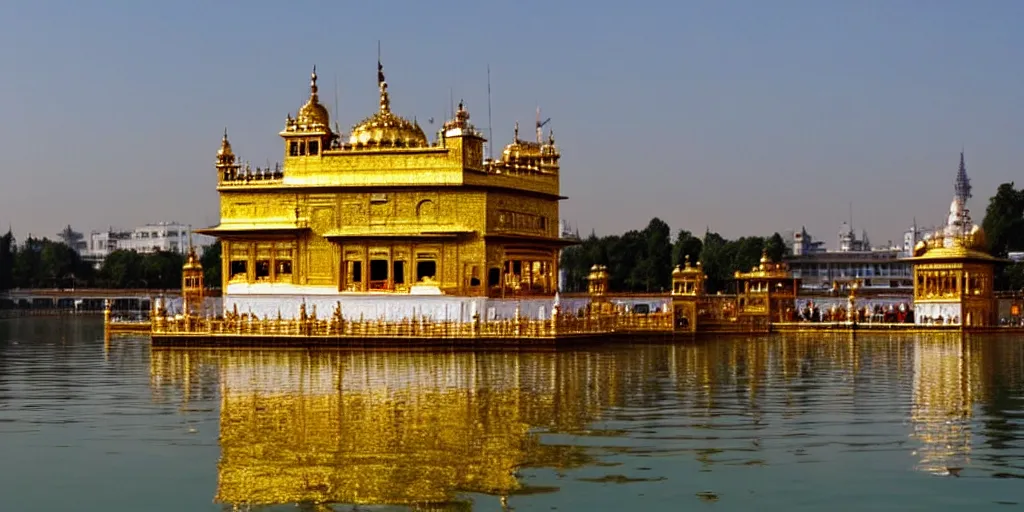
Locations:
(877, 268)
(148, 238)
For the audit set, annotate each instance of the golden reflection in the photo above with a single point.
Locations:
(416, 429)
(946, 387)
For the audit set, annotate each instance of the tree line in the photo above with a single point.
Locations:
(45, 263)
(1004, 232)
(642, 260)
(637, 261)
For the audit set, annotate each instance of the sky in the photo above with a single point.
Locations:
(742, 117)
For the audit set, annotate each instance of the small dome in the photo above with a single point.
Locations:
(313, 115)
(192, 262)
(978, 238)
(225, 146)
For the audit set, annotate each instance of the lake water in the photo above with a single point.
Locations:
(886, 422)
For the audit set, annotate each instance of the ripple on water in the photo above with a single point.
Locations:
(745, 422)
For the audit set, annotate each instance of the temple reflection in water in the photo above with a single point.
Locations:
(429, 430)
(391, 428)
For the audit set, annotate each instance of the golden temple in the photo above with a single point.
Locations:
(385, 211)
(396, 239)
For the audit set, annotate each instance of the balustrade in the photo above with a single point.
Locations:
(564, 324)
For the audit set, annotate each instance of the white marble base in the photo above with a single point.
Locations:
(398, 307)
(951, 313)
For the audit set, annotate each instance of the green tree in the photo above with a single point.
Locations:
(7, 247)
(122, 269)
(60, 266)
(686, 245)
(653, 269)
(775, 246)
(1014, 276)
(211, 261)
(27, 267)
(746, 253)
(162, 269)
(716, 258)
(1004, 220)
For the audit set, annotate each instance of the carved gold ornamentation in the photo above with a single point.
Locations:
(388, 186)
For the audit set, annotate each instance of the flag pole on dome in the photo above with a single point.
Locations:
(380, 67)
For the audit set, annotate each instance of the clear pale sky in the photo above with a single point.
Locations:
(746, 116)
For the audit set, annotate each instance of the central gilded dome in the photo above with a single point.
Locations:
(387, 130)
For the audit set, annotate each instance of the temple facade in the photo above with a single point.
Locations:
(953, 273)
(388, 223)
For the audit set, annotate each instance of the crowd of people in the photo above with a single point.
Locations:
(889, 313)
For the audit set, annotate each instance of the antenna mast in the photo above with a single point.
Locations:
(490, 135)
(851, 216)
(335, 98)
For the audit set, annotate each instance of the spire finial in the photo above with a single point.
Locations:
(312, 83)
(382, 84)
(515, 136)
(962, 185)
(225, 134)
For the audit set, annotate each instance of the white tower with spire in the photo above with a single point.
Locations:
(958, 223)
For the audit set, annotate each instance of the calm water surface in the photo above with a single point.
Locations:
(782, 423)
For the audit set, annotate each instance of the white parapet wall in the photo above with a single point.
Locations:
(926, 313)
(268, 300)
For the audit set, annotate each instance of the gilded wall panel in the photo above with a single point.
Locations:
(452, 265)
(522, 214)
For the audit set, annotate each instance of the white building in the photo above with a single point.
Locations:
(804, 244)
(163, 236)
(149, 238)
(911, 237)
(848, 241)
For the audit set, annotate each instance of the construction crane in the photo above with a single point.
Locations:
(540, 125)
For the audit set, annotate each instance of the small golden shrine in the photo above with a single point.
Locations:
(597, 288)
(687, 292)
(766, 294)
(193, 290)
(953, 272)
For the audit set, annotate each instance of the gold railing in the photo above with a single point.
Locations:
(422, 328)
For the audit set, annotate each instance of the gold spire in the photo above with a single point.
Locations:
(192, 260)
(225, 156)
(385, 101)
(384, 129)
(313, 114)
(225, 146)
(515, 134)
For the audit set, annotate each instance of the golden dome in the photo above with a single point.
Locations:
(385, 129)
(192, 262)
(225, 146)
(313, 115)
(977, 236)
